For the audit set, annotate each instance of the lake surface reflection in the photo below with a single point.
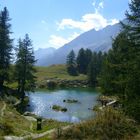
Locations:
(41, 103)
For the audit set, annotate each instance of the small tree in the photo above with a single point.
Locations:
(5, 46)
(24, 69)
(71, 64)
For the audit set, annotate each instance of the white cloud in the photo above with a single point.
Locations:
(101, 5)
(58, 41)
(87, 22)
(113, 21)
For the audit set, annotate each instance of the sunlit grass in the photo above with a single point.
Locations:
(56, 71)
(50, 72)
(16, 123)
(49, 124)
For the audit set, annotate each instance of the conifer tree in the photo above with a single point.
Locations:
(132, 30)
(114, 71)
(24, 68)
(5, 46)
(133, 26)
(81, 61)
(88, 58)
(92, 71)
(121, 72)
(71, 64)
(94, 68)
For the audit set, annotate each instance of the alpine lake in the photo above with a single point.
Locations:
(42, 102)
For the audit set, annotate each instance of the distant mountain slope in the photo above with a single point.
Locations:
(42, 54)
(95, 40)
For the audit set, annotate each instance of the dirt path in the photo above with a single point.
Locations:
(36, 136)
(48, 133)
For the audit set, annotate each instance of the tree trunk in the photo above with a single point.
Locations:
(22, 94)
(22, 90)
(1, 84)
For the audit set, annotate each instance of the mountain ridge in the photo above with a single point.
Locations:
(100, 40)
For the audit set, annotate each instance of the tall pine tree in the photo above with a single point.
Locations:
(115, 71)
(94, 68)
(88, 58)
(24, 68)
(92, 71)
(132, 30)
(121, 72)
(81, 61)
(5, 46)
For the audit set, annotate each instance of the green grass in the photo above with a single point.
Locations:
(56, 71)
(17, 125)
(50, 72)
(49, 124)
(109, 124)
(44, 138)
(137, 137)
(13, 122)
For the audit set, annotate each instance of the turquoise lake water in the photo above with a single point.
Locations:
(41, 103)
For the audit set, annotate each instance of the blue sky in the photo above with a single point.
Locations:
(52, 23)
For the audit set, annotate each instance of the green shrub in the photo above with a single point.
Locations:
(108, 125)
(62, 85)
(132, 108)
(10, 99)
(41, 85)
(56, 107)
(51, 84)
(64, 109)
(5, 129)
(59, 108)
(73, 133)
(112, 124)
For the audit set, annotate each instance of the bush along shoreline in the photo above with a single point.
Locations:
(62, 83)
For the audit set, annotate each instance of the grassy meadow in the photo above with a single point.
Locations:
(51, 72)
(56, 71)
